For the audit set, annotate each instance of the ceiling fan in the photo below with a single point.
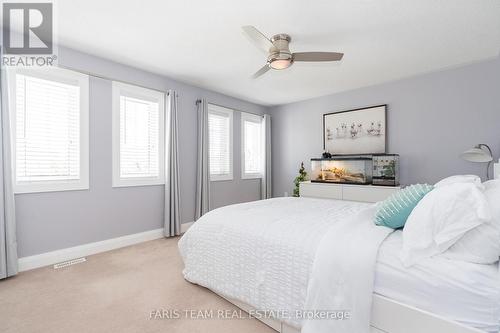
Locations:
(280, 56)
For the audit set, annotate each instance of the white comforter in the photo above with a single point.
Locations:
(262, 252)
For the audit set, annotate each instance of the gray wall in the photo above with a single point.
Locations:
(431, 119)
(56, 220)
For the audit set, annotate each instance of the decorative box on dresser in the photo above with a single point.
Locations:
(363, 193)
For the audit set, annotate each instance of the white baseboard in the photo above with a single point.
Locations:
(54, 257)
(185, 226)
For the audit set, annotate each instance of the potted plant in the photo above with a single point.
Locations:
(300, 178)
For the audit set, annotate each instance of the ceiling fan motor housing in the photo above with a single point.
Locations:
(280, 50)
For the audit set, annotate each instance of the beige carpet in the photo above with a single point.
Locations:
(115, 292)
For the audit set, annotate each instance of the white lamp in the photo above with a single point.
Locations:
(481, 153)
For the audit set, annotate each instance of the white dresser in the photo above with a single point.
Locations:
(363, 193)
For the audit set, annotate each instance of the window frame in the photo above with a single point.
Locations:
(220, 110)
(245, 116)
(64, 76)
(119, 89)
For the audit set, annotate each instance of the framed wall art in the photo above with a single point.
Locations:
(358, 131)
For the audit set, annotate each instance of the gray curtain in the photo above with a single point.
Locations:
(8, 243)
(266, 185)
(203, 170)
(172, 223)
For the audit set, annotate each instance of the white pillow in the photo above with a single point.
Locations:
(490, 184)
(461, 179)
(481, 245)
(441, 218)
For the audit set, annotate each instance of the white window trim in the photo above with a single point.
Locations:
(256, 119)
(216, 109)
(141, 93)
(68, 77)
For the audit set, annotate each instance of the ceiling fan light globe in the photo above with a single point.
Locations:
(280, 63)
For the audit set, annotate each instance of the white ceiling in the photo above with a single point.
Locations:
(200, 42)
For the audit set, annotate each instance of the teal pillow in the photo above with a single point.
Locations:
(394, 211)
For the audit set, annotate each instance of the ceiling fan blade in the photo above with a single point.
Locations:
(258, 38)
(317, 56)
(261, 71)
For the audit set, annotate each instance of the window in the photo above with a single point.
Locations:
(251, 146)
(49, 112)
(220, 138)
(138, 136)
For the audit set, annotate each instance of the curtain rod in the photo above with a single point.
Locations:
(198, 101)
(138, 85)
(111, 79)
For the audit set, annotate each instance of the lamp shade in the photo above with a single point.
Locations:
(477, 154)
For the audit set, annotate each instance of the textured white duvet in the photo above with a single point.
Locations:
(262, 252)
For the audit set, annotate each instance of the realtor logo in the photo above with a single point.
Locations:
(28, 28)
(28, 34)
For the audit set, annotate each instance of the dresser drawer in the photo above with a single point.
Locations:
(362, 193)
(316, 190)
(367, 193)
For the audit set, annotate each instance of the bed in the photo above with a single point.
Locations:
(260, 255)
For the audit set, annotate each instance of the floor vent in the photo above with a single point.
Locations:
(69, 263)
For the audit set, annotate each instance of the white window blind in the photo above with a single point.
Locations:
(139, 138)
(252, 149)
(139, 117)
(220, 124)
(51, 130)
